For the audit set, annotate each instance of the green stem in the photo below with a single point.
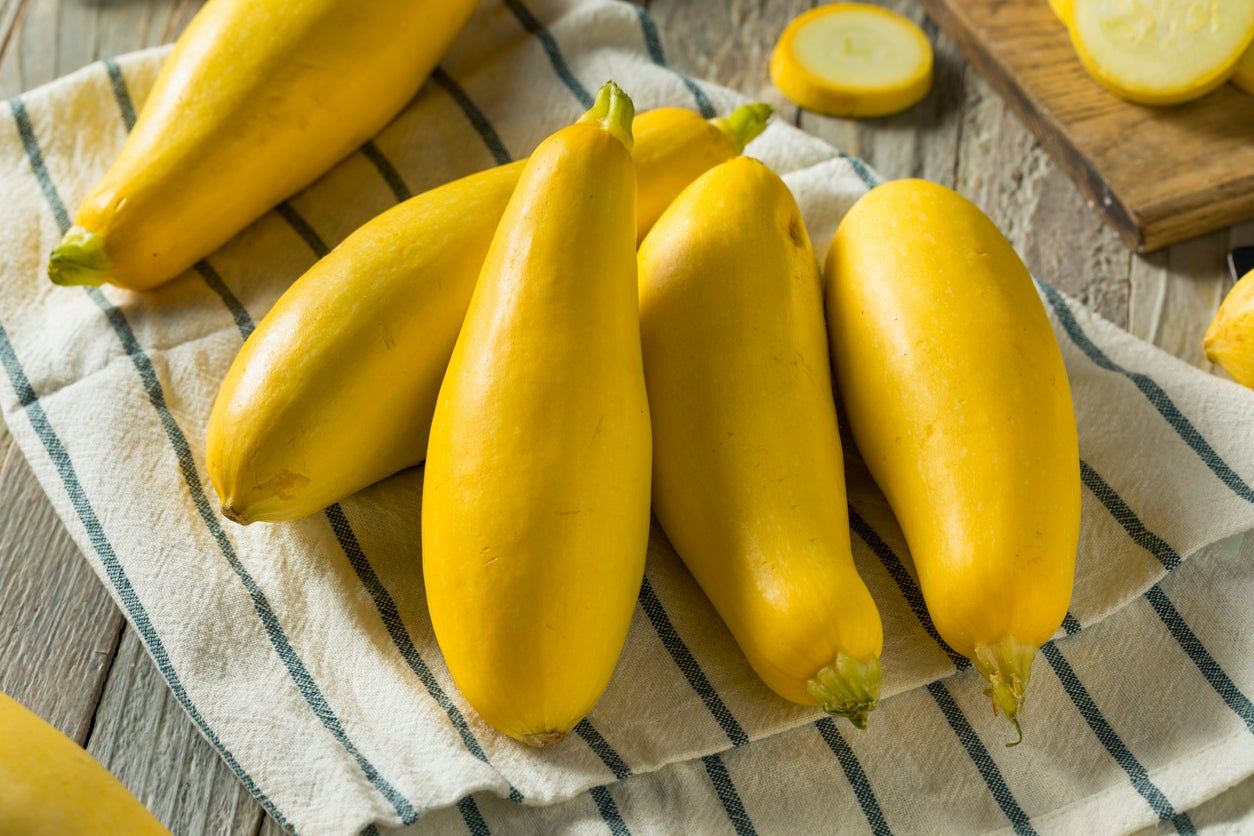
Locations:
(848, 687)
(1007, 665)
(613, 111)
(79, 259)
(744, 123)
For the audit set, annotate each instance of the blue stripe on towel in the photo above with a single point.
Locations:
(856, 777)
(1110, 739)
(178, 441)
(60, 459)
(480, 122)
(983, 760)
(541, 32)
(688, 664)
(653, 43)
(609, 811)
(1175, 623)
(1154, 393)
(727, 795)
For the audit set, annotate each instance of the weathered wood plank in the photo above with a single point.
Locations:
(144, 738)
(58, 626)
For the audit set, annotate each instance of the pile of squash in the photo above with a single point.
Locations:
(632, 319)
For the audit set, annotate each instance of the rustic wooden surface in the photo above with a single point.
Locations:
(64, 648)
(1162, 175)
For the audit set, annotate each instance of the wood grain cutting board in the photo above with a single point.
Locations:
(1159, 175)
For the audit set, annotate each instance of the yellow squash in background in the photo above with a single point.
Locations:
(959, 403)
(1229, 340)
(258, 98)
(49, 786)
(748, 475)
(535, 509)
(335, 389)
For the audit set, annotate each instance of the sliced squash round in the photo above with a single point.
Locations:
(1161, 51)
(852, 59)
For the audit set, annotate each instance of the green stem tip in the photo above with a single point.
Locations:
(744, 123)
(848, 687)
(613, 111)
(1007, 665)
(79, 259)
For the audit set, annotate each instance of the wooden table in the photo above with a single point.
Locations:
(65, 649)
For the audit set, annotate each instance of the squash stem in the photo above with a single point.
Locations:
(744, 123)
(79, 259)
(1007, 665)
(542, 739)
(613, 111)
(848, 687)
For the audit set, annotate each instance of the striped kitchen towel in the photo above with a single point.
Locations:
(303, 651)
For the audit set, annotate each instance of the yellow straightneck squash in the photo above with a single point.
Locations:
(748, 478)
(49, 786)
(258, 98)
(1229, 340)
(335, 389)
(535, 511)
(959, 403)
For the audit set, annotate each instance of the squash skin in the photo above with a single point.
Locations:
(256, 101)
(958, 400)
(374, 322)
(50, 786)
(748, 477)
(535, 511)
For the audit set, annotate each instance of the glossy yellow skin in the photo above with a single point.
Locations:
(49, 786)
(257, 100)
(748, 477)
(535, 510)
(1229, 341)
(959, 403)
(335, 389)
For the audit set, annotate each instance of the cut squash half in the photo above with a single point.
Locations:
(1161, 51)
(852, 59)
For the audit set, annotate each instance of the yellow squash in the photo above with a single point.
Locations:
(258, 98)
(535, 510)
(959, 403)
(335, 389)
(1229, 340)
(748, 478)
(49, 786)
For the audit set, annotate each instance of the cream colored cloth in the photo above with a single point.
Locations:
(304, 653)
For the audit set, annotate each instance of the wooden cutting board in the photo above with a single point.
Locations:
(1159, 175)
